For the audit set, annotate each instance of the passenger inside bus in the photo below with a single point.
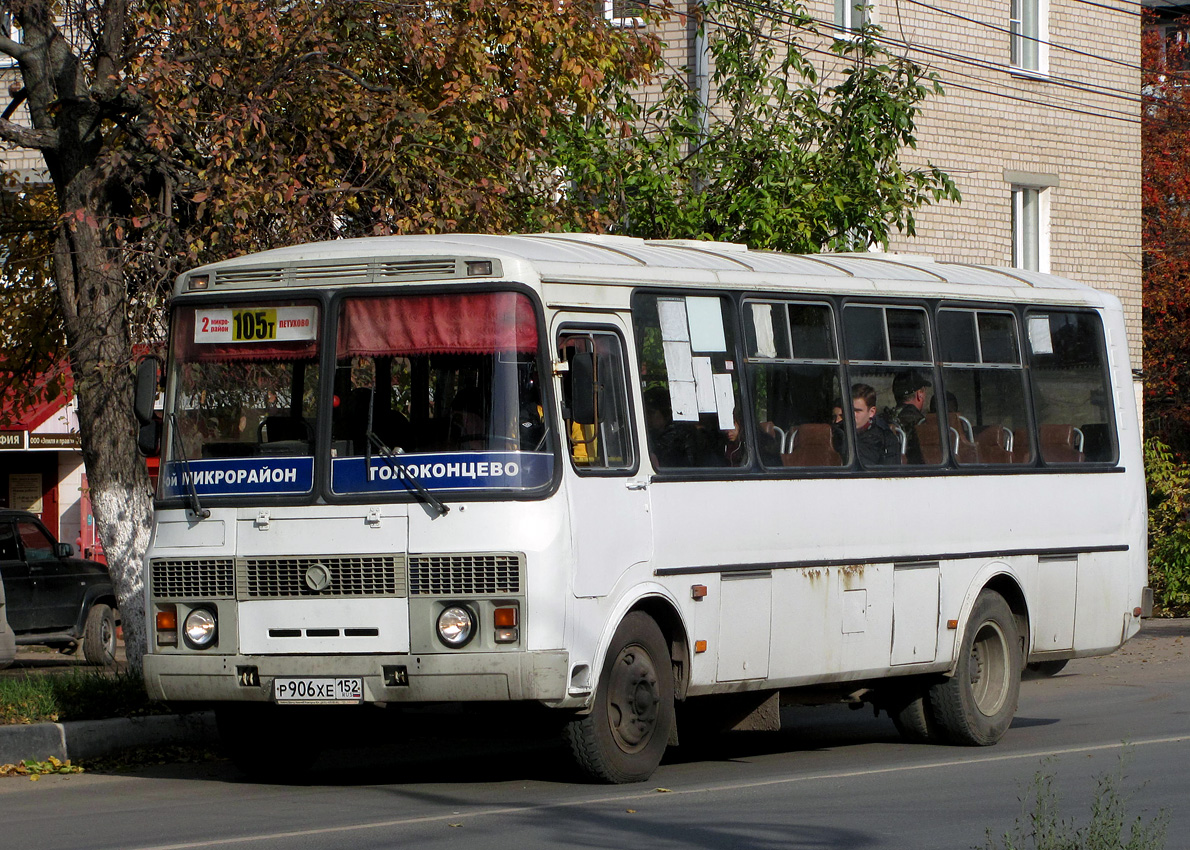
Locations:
(875, 442)
(909, 392)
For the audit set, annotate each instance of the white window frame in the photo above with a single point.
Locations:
(1028, 25)
(1031, 228)
(850, 15)
(609, 14)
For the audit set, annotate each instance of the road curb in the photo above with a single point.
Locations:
(82, 739)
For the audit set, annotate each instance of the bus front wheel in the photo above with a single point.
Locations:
(976, 706)
(625, 734)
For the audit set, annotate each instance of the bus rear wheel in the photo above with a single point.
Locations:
(625, 734)
(976, 706)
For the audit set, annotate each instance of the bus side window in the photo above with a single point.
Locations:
(596, 426)
(689, 382)
(1071, 393)
(984, 382)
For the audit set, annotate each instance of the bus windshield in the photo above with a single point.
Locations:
(450, 380)
(430, 392)
(246, 380)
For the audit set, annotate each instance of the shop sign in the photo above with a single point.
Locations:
(12, 441)
(61, 442)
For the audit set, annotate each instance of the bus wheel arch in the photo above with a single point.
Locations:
(631, 721)
(1010, 591)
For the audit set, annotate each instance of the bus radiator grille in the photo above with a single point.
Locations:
(465, 574)
(192, 577)
(315, 576)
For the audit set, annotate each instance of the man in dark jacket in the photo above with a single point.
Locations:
(875, 442)
(909, 391)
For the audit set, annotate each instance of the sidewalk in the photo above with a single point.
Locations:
(82, 739)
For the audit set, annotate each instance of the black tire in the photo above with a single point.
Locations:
(1047, 668)
(976, 706)
(268, 743)
(625, 734)
(913, 716)
(99, 636)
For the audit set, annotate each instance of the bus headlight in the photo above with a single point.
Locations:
(456, 626)
(199, 628)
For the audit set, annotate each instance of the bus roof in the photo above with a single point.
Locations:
(580, 258)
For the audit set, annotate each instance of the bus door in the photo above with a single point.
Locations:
(607, 489)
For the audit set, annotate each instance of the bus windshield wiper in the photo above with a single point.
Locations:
(404, 474)
(180, 448)
(401, 469)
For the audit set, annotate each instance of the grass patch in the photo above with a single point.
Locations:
(1110, 827)
(74, 695)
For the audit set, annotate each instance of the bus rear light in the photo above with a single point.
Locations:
(167, 625)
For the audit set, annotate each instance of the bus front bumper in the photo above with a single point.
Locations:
(457, 677)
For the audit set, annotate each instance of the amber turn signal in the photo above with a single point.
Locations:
(504, 618)
(167, 620)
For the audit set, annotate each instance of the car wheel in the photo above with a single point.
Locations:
(99, 636)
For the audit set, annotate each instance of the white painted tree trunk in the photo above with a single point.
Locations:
(124, 518)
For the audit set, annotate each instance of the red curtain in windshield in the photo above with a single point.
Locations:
(474, 323)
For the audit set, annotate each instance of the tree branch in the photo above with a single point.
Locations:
(26, 137)
(12, 48)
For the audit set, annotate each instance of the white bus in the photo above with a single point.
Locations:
(647, 485)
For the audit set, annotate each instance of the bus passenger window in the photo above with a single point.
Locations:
(1072, 396)
(595, 418)
(689, 383)
(794, 373)
(888, 353)
(984, 387)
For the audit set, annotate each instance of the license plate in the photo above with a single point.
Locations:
(318, 691)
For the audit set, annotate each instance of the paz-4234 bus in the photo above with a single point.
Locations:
(647, 488)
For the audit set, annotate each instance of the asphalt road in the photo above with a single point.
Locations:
(832, 778)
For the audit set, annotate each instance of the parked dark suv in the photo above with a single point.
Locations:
(50, 597)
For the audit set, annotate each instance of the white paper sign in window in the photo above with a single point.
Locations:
(706, 324)
(1040, 339)
(766, 337)
(671, 313)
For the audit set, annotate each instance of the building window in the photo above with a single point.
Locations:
(1030, 228)
(624, 13)
(851, 15)
(1028, 25)
(1176, 49)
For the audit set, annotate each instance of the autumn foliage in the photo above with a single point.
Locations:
(1165, 153)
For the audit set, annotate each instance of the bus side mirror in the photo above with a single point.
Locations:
(582, 388)
(148, 439)
(146, 389)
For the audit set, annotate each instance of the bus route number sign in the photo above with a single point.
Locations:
(256, 324)
(253, 325)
